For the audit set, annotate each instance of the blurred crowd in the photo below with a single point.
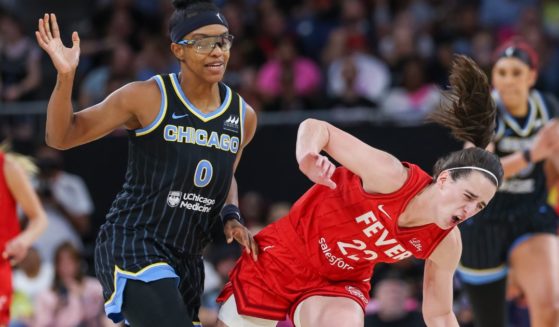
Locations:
(287, 55)
(390, 56)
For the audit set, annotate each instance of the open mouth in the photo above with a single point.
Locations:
(456, 220)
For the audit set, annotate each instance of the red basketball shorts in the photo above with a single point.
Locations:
(273, 286)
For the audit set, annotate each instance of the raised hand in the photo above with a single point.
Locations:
(318, 169)
(65, 59)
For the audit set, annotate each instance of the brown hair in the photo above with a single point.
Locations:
(468, 108)
(470, 112)
(58, 285)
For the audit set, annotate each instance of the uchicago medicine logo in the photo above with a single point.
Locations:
(174, 198)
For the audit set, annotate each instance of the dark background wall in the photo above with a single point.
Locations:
(268, 165)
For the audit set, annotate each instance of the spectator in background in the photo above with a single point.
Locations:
(355, 23)
(73, 299)
(31, 278)
(530, 27)
(277, 210)
(314, 25)
(350, 96)
(462, 306)
(346, 55)
(67, 203)
(288, 81)
(20, 73)
(96, 84)
(253, 208)
(394, 306)
(414, 97)
(355, 77)
(482, 49)
(222, 258)
(550, 15)
(272, 26)
(405, 39)
(19, 61)
(463, 24)
(503, 14)
(153, 58)
(246, 58)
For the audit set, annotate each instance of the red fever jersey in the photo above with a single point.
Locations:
(329, 244)
(9, 228)
(9, 224)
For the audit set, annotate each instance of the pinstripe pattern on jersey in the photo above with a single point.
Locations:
(519, 206)
(144, 227)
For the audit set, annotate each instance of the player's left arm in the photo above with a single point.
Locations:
(233, 229)
(437, 281)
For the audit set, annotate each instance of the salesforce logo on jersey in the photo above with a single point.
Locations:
(190, 201)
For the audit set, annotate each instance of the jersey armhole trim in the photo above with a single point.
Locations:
(242, 112)
(540, 103)
(162, 109)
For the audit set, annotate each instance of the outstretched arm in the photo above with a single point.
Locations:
(437, 282)
(66, 129)
(234, 229)
(380, 171)
(25, 196)
(545, 144)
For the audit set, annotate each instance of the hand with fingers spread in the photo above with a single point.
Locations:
(234, 230)
(318, 168)
(65, 59)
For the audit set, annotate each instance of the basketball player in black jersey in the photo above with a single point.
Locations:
(187, 132)
(518, 228)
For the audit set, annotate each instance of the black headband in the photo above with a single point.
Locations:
(196, 20)
(518, 53)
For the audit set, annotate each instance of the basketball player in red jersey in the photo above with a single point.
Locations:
(316, 263)
(15, 189)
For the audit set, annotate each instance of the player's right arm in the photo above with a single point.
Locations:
(66, 129)
(22, 191)
(380, 171)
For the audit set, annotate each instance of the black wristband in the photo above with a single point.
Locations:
(527, 156)
(230, 211)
